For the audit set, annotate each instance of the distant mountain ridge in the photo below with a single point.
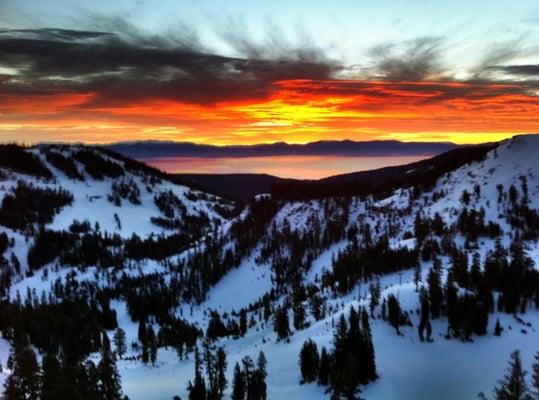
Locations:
(150, 149)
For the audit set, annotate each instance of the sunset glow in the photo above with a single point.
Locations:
(106, 79)
(296, 111)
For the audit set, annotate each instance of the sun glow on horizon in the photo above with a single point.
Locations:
(295, 111)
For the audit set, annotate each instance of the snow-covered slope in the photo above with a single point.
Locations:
(511, 162)
(95, 200)
(409, 369)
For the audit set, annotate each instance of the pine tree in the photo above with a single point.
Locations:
(109, 385)
(141, 331)
(475, 270)
(143, 338)
(152, 345)
(215, 366)
(119, 342)
(238, 384)
(211, 369)
(221, 365)
(358, 347)
(438, 225)
(519, 265)
(105, 343)
(350, 378)
(498, 328)
(325, 367)
(309, 362)
(424, 323)
(24, 381)
(316, 304)
(197, 389)
(535, 376)
(394, 312)
(340, 360)
(243, 322)
(459, 267)
(298, 297)
(299, 316)
(435, 289)
(465, 197)
(383, 309)
(513, 385)
(420, 228)
(52, 384)
(260, 376)
(91, 383)
(281, 324)
(513, 194)
(248, 374)
(267, 307)
(369, 353)
(216, 328)
(452, 306)
(375, 291)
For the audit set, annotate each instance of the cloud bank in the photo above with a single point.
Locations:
(119, 80)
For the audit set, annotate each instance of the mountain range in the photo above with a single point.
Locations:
(150, 149)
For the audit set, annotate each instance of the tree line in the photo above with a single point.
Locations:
(350, 363)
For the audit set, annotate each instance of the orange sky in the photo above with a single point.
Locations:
(379, 69)
(295, 111)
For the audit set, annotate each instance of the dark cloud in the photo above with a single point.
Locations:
(119, 63)
(523, 70)
(51, 34)
(73, 56)
(413, 60)
(124, 64)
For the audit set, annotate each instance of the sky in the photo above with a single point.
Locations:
(244, 72)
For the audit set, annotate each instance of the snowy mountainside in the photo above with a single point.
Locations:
(314, 260)
(122, 202)
(514, 162)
